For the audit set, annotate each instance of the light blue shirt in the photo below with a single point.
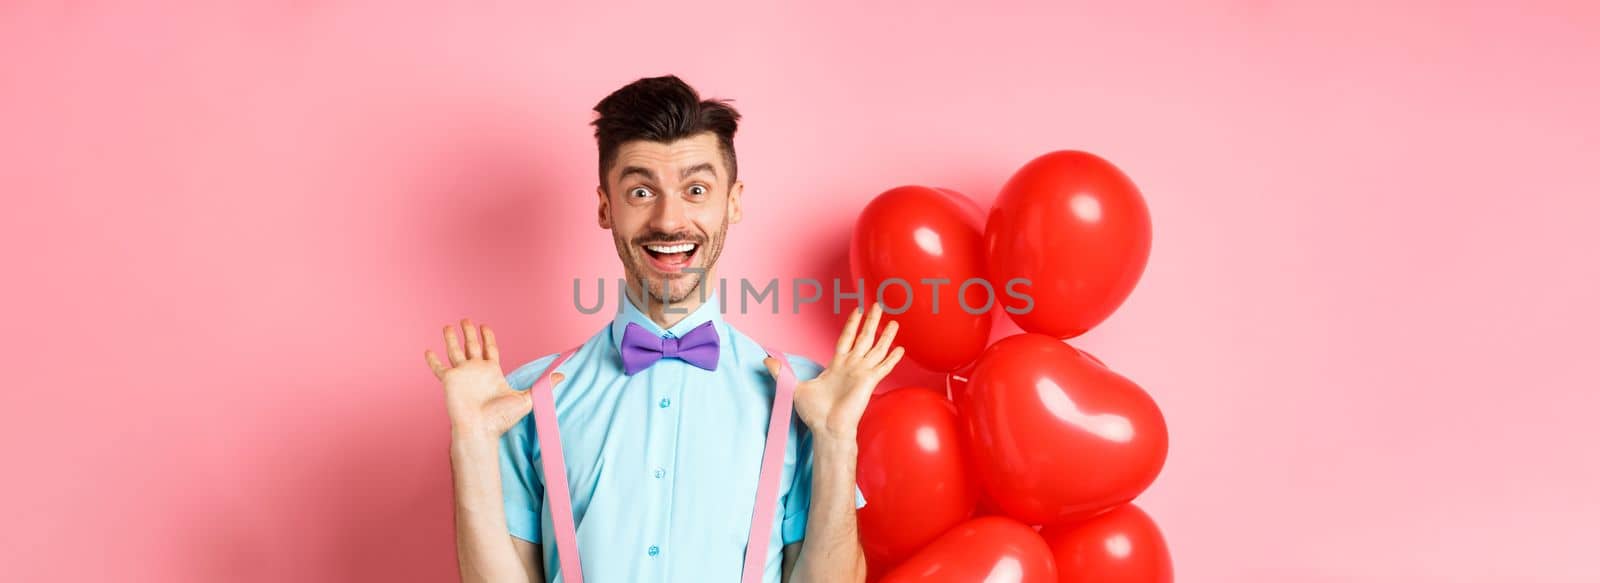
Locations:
(662, 465)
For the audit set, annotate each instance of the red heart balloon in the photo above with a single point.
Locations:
(956, 382)
(1091, 357)
(1122, 545)
(912, 233)
(991, 548)
(911, 469)
(1078, 230)
(1054, 435)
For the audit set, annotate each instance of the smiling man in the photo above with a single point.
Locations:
(663, 413)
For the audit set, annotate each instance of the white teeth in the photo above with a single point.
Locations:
(679, 248)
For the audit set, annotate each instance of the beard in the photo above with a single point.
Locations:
(670, 288)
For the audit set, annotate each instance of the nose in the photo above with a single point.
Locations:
(668, 214)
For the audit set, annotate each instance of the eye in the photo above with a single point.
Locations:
(639, 192)
(697, 190)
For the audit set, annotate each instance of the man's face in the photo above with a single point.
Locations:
(668, 208)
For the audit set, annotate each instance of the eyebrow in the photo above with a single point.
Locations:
(649, 175)
(701, 167)
(640, 170)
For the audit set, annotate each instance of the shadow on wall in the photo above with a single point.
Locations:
(516, 223)
(497, 223)
(369, 499)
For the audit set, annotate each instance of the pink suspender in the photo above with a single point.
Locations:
(555, 472)
(755, 551)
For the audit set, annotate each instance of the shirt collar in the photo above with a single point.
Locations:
(627, 313)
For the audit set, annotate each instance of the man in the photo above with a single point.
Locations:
(662, 453)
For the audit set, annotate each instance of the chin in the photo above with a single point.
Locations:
(683, 290)
(682, 286)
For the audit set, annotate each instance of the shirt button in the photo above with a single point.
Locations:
(660, 473)
(654, 550)
(665, 403)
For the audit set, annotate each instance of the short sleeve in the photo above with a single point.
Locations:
(797, 505)
(521, 486)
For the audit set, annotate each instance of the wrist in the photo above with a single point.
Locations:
(834, 444)
(465, 439)
(831, 432)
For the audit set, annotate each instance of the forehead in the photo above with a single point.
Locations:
(667, 159)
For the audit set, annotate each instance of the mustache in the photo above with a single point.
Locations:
(665, 237)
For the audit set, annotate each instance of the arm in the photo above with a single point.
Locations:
(483, 549)
(532, 556)
(831, 405)
(482, 407)
(833, 550)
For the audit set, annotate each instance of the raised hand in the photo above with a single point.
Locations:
(832, 403)
(480, 402)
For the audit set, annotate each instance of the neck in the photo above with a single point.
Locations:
(665, 315)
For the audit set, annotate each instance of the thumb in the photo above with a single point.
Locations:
(511, 407)
(772, 366)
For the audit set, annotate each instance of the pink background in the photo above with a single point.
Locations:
(230, 232)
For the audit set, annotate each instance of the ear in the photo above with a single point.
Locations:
(605, 207)
(735, 213)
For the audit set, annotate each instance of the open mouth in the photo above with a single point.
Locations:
(671, 257)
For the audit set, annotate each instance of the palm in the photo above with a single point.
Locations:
(472, 385)
(834, 401)
(477, 396)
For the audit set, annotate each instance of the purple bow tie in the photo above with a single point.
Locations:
(640, 348)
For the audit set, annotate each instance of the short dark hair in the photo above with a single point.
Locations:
(661, 109)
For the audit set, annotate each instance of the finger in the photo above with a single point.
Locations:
(452, 346)
(881, 347)
(848, 336)
(773, 366)
(433, 363)
(474, 344)
(491, 350)
(868, 330)
(556, 378)
(883, 370)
